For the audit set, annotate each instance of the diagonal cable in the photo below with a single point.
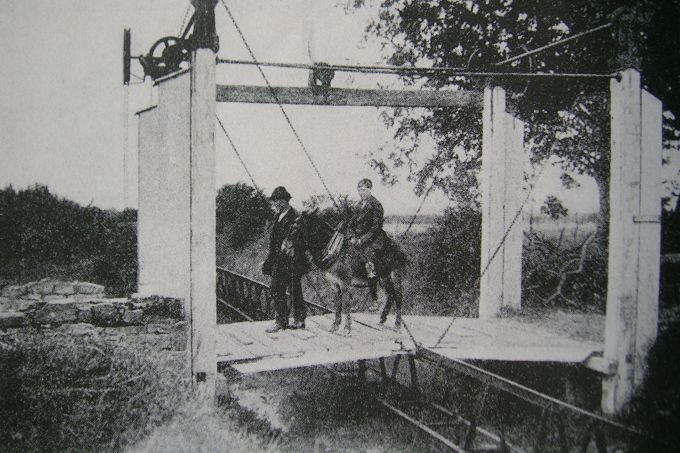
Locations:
(184, 21)
(498, 248)
(283, 111)
(233, 146)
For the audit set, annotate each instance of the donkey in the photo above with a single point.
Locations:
(325, 247)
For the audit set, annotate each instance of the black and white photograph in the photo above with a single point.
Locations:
(352, 226)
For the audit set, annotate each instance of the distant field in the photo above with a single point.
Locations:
(398, 228)
(570, 231)
(570, 227)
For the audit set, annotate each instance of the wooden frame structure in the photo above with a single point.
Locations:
(177, 158)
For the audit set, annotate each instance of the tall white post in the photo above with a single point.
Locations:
(634, 236)
(501, 181)
(202, 299)
(163, 228)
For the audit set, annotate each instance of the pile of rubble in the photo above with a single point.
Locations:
(50, 302)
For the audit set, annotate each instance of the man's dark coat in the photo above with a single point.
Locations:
(286, 272)
(277, 262)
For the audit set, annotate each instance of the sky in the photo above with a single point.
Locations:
(63, 116)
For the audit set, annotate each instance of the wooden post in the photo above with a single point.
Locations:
(202, 219)
(491, 284)
(202, 300)
(513, 220)
(634, 236)
(501, 180)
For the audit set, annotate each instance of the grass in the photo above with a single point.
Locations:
(77, 389)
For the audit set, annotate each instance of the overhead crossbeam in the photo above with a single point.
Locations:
(346, 97)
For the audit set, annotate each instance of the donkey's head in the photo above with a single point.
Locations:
(311, 232)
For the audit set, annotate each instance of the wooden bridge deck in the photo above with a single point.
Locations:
(249, 349)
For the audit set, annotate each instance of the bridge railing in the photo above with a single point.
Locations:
(249, 298)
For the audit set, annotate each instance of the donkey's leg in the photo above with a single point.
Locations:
(388, 300)
(393, 290)
(337, 300)
(373, 290)
(350, 300)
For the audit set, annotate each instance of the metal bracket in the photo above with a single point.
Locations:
(647, 219)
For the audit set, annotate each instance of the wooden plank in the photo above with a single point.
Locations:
(601, 365)
(312, 359)
(346, 96)
(228, 349)
(574, 354)
(258, 335)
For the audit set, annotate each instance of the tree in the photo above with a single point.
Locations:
(242, 213)
(567, 118)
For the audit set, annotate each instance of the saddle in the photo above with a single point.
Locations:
(332, 251)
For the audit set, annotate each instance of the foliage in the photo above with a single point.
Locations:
(565, 117)
(451, 255)
(655, 409)
(553, 207)
(66, 392)
(332, 211)
(74, 389)
(242, 213)
(564, 269)
(42, 235)
(559, 269)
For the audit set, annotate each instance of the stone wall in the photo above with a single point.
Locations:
(50, 303)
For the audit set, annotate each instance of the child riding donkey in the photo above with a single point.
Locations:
(355, 255)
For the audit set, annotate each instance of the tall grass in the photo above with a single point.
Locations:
(74, 389)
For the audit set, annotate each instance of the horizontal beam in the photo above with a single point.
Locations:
(346, 96)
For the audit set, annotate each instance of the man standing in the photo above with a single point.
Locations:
(285, 270)
(365, 232)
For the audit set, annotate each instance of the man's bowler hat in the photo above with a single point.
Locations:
(280, 193)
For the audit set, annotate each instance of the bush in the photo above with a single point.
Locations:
(568, 272)
(242, 213)
(449, 255)
(655, 409)
(42, 235)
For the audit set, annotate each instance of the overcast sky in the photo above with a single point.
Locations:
(62, 118)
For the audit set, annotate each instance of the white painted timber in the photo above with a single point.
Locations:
(148, 249)
(202, 300)
(513, 220)
(632, 287)
(163, 223)
(501, 182)
(490, 289)
(345, 96)
(650, 232)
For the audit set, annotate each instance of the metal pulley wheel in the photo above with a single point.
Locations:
(165, 57)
